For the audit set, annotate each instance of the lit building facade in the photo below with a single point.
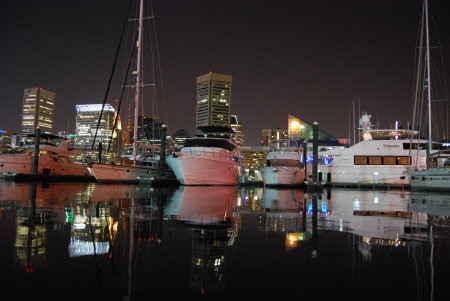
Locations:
(149, 130)
(38, 110)
(180, 137)
(253, 160)
(268, 136)
(213, 100)
(86, 126)
(238, 130)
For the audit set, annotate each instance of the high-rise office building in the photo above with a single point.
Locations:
(213, 100)
(38, 110)
(238, 130)
(86, 126)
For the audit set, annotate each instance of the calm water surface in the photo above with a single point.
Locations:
(120, 242)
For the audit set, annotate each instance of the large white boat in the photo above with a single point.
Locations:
(283, 164)
(382, 158)
(54, 160)
(209, 159)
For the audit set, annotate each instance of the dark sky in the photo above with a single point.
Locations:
(310, 58)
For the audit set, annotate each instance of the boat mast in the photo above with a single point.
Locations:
(138, 78)
(430, 143)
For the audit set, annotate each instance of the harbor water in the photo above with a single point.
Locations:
(87, 241)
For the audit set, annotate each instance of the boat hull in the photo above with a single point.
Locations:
(367, 175)
(121, 173)
(283, 176)
(18, 164)
(430, 179)
(205, 169)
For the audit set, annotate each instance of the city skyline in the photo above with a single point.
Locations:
(312, 59)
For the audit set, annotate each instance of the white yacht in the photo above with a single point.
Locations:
(209, 159)
(382, 158)
(54, 160)
(283, 164)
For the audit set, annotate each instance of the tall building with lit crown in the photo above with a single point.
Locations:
(269, 135)
(213, 100)
(86, 126)
(238, 130)
(38, 110)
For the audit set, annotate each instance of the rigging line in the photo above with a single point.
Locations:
(121, 94)
(158, 59)
(416, 110)
(112, 71)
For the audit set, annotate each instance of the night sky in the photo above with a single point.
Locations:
(310, 58)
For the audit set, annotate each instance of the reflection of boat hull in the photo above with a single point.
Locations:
(283, 175)
(204, 205)
(207, 168)
(430, 179)
(122, 173)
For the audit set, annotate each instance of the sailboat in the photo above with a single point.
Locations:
(134, 168)
(436, 175)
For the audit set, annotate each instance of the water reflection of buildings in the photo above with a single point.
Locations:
(209, 213)
(30, 243)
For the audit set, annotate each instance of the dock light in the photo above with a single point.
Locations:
(376, 173)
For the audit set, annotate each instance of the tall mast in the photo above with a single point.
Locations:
(138, 78)
(430, 143)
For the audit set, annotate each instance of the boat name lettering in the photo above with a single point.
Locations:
(390, 145)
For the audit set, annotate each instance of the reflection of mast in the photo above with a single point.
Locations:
(430, 238)
(131, 249)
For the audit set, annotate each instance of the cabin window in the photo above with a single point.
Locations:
(375, 160)
(389, 160)
(404, 160)
(360, 160)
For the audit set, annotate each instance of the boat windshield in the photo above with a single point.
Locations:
(220, 143)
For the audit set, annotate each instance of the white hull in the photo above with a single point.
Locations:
(53, 161)
(283, 175)
(351, 174)
(430, 179)
(122, 173)
(210, 167)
